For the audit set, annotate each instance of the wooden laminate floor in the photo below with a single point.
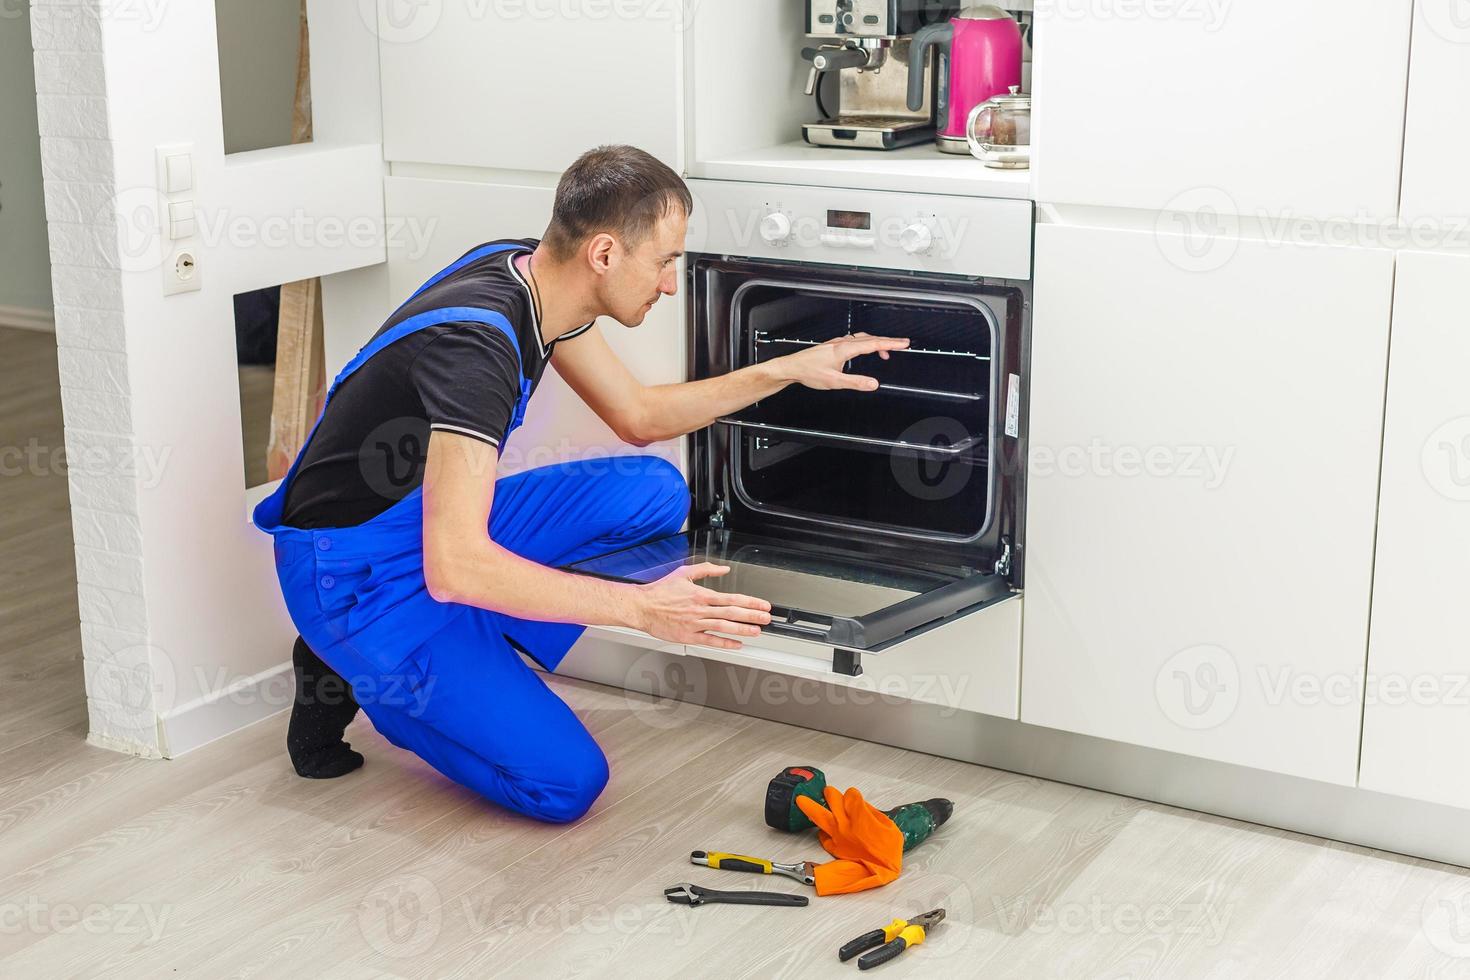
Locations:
(224, 863)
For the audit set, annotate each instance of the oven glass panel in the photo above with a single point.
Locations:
(819, 581)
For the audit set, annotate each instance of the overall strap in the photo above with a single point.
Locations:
(413, 324)
(474, 255)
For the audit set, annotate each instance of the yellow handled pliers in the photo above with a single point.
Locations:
(891, 940)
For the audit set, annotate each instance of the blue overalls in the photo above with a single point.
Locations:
(442, 679)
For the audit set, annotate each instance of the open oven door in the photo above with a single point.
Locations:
(848, 600)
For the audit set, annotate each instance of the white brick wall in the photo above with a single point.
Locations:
(123, 676)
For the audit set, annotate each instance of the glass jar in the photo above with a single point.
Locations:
(999, 130)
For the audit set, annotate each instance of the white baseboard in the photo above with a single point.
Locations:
(27, 319)
(1340, 813)
(221, 713)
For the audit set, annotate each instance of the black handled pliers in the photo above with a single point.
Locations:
(891, 940)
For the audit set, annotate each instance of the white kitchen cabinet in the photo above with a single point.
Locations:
(1202, 484)
(1437, 129)
(1257, 106)
(433, 222)
(530, 84)
(1416, 723)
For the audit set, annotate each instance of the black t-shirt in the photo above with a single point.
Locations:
(459, 376)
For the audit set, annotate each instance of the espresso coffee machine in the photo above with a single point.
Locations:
(867, 43)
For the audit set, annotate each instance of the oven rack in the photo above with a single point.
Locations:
(764, 338)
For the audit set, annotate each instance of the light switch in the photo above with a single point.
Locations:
(180, 174)
(180, 220)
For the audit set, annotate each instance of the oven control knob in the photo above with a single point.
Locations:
(775, 228)
(916, 239)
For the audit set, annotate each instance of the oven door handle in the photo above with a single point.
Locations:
(926, 610)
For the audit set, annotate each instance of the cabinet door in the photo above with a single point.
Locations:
(1251, 105)
(1437, 130)
(1417, 720)
(433, 222)
(1202, 482)
(529, 84)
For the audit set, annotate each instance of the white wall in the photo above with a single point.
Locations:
(183, 628)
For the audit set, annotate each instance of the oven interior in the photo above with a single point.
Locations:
(924, 464)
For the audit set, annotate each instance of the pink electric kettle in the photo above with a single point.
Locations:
(981, 48)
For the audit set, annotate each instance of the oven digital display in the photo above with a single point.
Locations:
(859, 220)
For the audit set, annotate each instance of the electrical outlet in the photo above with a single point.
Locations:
(179, 195)
(181, 270)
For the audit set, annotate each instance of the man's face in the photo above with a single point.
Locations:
(646, 271)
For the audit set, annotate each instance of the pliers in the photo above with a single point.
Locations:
(891, 940)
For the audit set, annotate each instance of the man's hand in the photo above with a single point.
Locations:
(675, 608)
(822, 366)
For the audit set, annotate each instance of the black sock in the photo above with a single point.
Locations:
(324, 707)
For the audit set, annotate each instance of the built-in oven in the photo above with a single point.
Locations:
(865, 517)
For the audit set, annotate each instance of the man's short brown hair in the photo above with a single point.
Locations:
(617, 189)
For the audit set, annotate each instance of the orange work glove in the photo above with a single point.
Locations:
(867, 845)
